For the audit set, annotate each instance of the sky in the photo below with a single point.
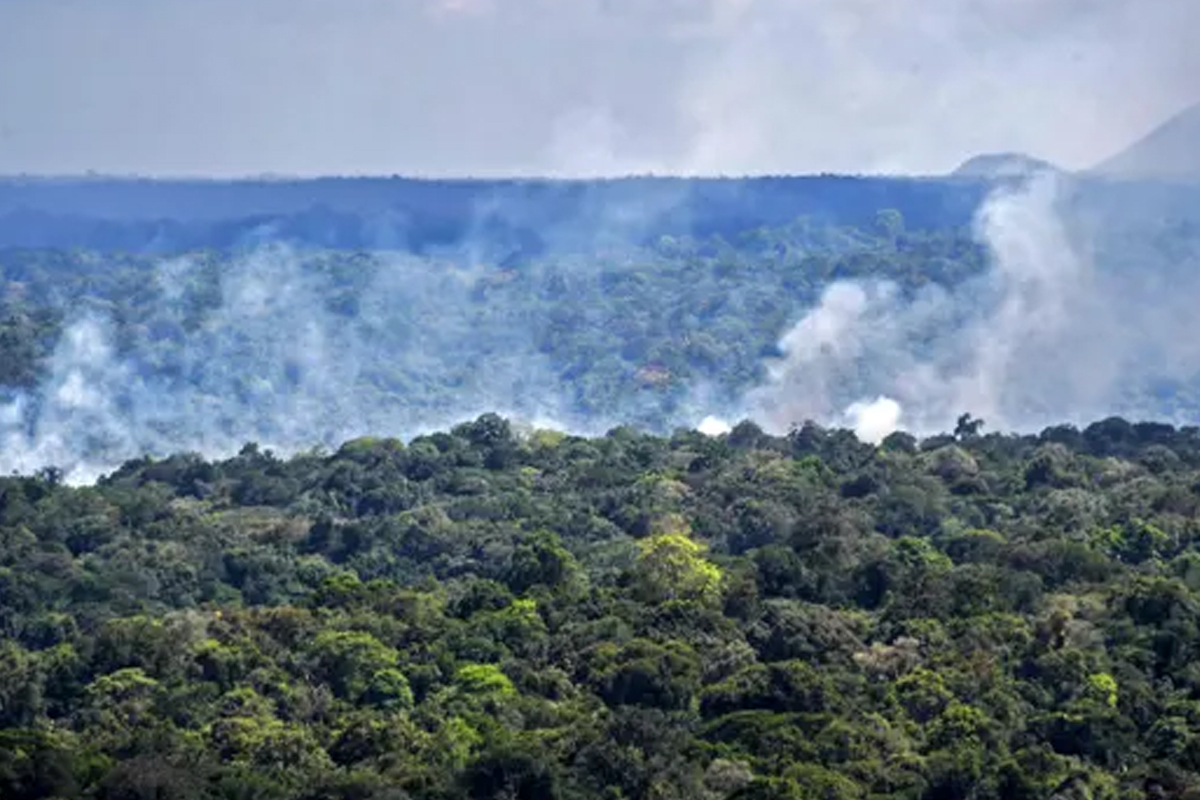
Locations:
(581, 87)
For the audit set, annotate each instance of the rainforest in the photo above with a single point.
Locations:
(481, 612)
(606, 490)
(599, 400)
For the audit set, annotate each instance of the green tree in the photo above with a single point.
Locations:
(672, 566)
(352, 661)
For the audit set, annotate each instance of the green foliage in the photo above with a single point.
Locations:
(1102, 687)
(671, 566)
(625, 616)
(389, 689)
(352, 661)
(541, 560)
(628, 330)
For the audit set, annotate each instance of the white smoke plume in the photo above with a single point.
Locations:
(270, 363)
(1045, 336)
(874, 421)
(1050, 333)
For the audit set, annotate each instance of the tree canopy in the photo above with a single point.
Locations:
(627, 616)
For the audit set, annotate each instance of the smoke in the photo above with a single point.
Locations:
(1053, 332)
(274, 359)
(873, 421)
(1076, 318)
(713, 426)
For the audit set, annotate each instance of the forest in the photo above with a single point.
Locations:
(293, 577)
(526, 217)
(531, 215)
(484, 613)
(622, 333)
(291, 344)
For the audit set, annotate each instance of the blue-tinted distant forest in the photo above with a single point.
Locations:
(145, 215)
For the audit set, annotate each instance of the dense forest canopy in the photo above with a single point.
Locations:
(421, 214)
(526, 216)
(488, 614)
(248, 548)
(395, 342)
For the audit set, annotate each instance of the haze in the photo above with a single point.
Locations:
(581, 87)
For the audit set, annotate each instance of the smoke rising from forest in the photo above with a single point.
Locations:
(1050, 333)
(1045, 336)
(268, 362)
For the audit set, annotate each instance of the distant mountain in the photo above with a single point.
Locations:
(1002, 165)
(1170, 151)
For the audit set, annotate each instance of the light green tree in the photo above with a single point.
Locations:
(671, 566)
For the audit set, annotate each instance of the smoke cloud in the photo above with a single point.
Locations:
(1059, 329)
(1075, 319)
(1053, 332)
(269, 361)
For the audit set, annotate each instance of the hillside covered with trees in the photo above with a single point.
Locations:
(295, 345)
(500, 609)
(619, 333)
(483, 613)
(532, 216)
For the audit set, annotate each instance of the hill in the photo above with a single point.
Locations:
(106, 356)
(1002, 165)
(1170, 152)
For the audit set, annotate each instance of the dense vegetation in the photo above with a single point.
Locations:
(484, 614)
(643, 301)
(624, 333)
(499, 612)
(530, 216)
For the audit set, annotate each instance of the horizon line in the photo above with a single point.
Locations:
(269, 177)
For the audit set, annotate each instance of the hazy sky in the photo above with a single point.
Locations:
(484, 87)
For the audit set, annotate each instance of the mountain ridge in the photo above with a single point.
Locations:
(1169, 151)
(1002, 165)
